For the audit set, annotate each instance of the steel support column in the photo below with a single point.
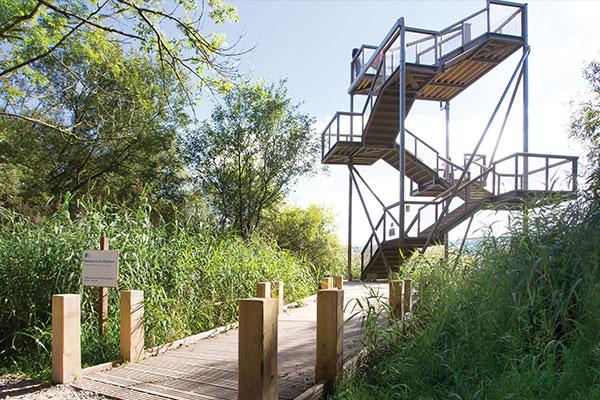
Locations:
(525, 98)
(463, 174)
(350, 224)
(447, 112)
(351, 117)
(401, 144)
(447, 109)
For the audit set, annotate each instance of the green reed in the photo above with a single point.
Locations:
(192, 276)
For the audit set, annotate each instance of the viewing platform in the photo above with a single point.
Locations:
(414, 64)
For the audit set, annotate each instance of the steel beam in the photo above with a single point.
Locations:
(401, 144)
(350, 225)
(473, 154)
(525, 96)
(385, 209)
(362, 200)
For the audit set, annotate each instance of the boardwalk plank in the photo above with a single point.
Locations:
(207, 369)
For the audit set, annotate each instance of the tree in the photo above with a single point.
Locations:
(252, 149)
(169, 33)
(120, 133)
(585, 124)
(309, 233)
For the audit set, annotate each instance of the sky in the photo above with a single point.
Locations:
(310, 43)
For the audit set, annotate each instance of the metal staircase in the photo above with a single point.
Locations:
(416, 64)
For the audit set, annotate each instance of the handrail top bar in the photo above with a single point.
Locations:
(336, 115)
(507, 3)
(378, 50)
(361, 48)
(476, 13)
(416, 202)
(536, 155)
(421, 30)
(444, 159)
(421, 141)
(348, 113)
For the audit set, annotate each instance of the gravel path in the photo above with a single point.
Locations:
(16, 387)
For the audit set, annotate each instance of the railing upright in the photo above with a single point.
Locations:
(547, 175)
(489, 28)
(574, 174)
(516, 173)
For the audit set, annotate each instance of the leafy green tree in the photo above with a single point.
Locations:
(252, 149)
(585, 124)
(118, 133)
(309, 233)
(171, 32)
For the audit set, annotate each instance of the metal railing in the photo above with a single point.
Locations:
(428, 47)
(343, 126)
(423, 47)
(545, 174)
(444, 168)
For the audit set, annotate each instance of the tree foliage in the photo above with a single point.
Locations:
(31, 30)
(309, 233)
(252, 149)
(120, 133)
(585, 123)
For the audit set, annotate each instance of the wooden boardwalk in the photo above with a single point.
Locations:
(208, 369)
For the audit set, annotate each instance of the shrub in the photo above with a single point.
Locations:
(310, 234)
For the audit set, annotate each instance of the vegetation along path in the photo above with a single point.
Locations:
(208, 369)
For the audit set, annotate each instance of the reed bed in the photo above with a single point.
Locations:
(516, 319)
(192, 276)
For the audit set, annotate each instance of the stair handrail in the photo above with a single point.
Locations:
(439, 158)
(369, 242)
(467, 187)
(446, 196)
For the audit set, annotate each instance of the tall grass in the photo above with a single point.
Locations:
(191, 276)
(518, 320)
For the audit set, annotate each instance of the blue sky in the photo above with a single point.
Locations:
(310, 44)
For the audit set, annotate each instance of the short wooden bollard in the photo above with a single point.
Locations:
(327, 283)
(339, 282)
(330, 335)
(396, 298)
(407, 296)
(263, 290)
(66, 338)
(257, 349)
(279, 295)
(132, 325)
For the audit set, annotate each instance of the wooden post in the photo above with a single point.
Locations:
(132, 325)
(339, 282)
(396, 298)
(257, 349)
(66, 338)
(103, 296)
(327, 282)
(407, 297)
(279, 295)
(330, 335)
(263, 290)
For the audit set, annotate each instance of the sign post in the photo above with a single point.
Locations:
(101, 269)
(103, 296)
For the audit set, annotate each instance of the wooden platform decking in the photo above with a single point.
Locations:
(208, 369)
